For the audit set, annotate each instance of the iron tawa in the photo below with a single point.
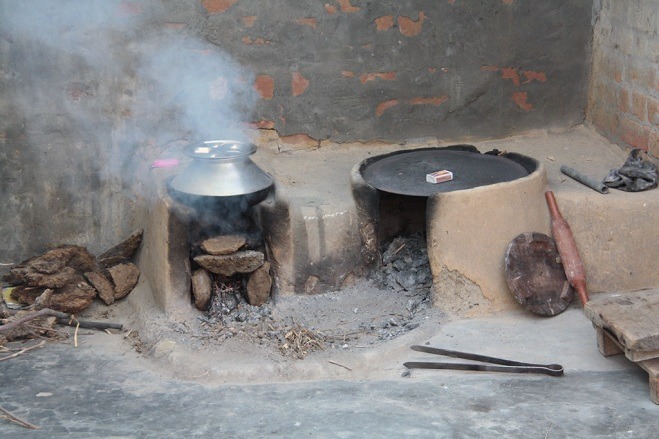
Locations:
(404, 172)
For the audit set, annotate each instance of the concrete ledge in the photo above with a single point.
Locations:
(319, 238)
(616, 233)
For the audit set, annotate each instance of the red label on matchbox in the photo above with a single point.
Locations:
(439, 176)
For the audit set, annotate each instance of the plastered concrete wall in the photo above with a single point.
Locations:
(394, 70)
(624, 92)
(83, 111)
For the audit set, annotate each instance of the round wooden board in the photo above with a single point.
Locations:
(535, 274)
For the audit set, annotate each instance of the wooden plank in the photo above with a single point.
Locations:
(606, 345)
(631, 318)
(652, 368)
(609, 344)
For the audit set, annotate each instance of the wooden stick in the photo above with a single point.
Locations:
(22, 351)
(88, 324)
(62, 319)
(13, 418)
(16, 323)
(340, 365)
(75, 336)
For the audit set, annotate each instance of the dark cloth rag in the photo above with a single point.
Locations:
(635, 175)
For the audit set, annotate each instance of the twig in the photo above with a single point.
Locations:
(548, 428)
(87, 324)
(340, 365)
(398, 249)
(75, 336)
(22, 351)
(62, 319)
(13, 418)
(11, 325)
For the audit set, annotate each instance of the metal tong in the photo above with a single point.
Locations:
(507, 366)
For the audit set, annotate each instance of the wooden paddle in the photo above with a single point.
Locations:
(535, 275)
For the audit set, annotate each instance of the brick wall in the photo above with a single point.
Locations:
(393, 70)
(82, 109)
(624, 92)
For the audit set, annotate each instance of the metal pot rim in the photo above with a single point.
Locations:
(220, 150)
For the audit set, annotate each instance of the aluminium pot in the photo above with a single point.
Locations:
(221, 168)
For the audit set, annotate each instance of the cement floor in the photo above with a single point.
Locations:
(103, 389)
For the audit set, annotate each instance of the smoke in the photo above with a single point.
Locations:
(204, 92)
(92, 91)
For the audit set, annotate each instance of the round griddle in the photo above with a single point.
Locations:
(536, 276)
(404, 172)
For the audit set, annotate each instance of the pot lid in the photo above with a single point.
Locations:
(220, 149)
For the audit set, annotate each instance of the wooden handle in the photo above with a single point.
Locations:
(567, 249)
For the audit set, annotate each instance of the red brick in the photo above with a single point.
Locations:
(520, 98)
(531, 76)
(300, 140)
(638, 105)
(623, 100)
(217, 6)
(311, 22)
(347, 74)
(263, 124)
(175, 26)
(489, 68)
(384, 76)
(385, 22)
(298, 83)
(606, 121)
(331, 9)
(347, 7)
(129, 8)
(249, 20)
(384, 106)
(653, 111)
(258, 41)
(634, 134)
(510, 73)
(219, 88)
(265, 86)
(436, 101)
(653, 142)
(409, 27)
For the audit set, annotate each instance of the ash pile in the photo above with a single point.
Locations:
(406, 269)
